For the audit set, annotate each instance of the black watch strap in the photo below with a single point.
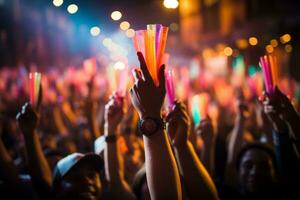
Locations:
(159, 124)
(110, 138)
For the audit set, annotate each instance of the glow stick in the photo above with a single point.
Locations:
(170, 88)
(31, 88)
(139, 42)
(264, 63)
(270, 72)
(123, 81)
(37, 85)
(34, 88)
(195, 109)
(157, 38)
(200, 107)
(274, 69)
(151, 54)
(163, 42)
(151, 43)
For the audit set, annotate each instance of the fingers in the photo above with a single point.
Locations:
(143, 66)
(137, 75)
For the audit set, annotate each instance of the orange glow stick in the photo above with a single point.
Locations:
(274, 69)
(151, 53)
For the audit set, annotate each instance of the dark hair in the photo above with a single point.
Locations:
(256, 145)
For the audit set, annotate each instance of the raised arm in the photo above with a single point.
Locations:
(235, 143)
(147, 98)
(206, 131)
(118, 187)
(197, 180)
(38, 165)
(91, 111)
(289, 114)
(287, 160)
(8, 169)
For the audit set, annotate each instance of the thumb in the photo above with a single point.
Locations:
(162, 77)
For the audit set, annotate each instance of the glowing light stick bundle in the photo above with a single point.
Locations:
(200, 107)
(270, 72)
(170, 88)
(118, 78)
(34, 87)
(152, 43)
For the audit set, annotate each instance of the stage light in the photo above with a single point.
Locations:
(274, 43)
(116, 15)
(288, 48)
(72, 8)
(95, 31)
(124, 25)
(130, 33)
(172, 4)
(57, 3)
(269, 48)
(253, 41)
(228, 51)
(285, 38)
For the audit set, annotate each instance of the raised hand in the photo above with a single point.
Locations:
(146, 97)
(114, 111)
(27, 119)
(272, 109)
(178, 123)
(205, 130)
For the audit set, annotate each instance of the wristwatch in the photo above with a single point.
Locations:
(110, 138)
(149, 125)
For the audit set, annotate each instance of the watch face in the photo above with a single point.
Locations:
(148, 126)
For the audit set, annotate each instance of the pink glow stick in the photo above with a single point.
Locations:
(269, 74)
(139, 42)
(170, 88)
(266, 74)
(31, 89)
(123, 82)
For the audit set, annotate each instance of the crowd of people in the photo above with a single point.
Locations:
(85, 141)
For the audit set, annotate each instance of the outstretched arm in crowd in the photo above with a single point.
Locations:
(290, 115)
(38, 165)
(206, 131)
(91, 112)
(118, 187)
(197, 180)
(7, 168)
(235, 142)
(277, 107)
(147, 98)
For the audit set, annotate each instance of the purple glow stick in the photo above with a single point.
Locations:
(267, 58)
(157, 38)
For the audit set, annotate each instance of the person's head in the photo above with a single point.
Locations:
(256, 167)
(77, 176)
